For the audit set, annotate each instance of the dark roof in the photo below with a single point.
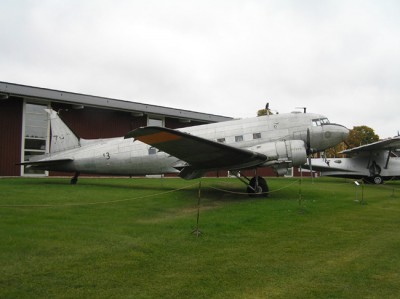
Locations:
(24, 91)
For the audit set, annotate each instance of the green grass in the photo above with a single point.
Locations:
(132, 238)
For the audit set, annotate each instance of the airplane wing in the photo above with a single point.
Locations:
(386, 144)
(199, 153)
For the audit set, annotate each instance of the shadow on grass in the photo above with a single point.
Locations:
(214, 189)
(133, 184)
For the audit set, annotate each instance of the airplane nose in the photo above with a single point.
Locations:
(345, 132)
(330, 135)
(335, 133)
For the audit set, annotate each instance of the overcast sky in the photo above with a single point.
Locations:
(225, 57)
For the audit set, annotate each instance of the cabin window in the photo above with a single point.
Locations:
(152, 151)
(256, 135)
(221, 140)
(239, 138)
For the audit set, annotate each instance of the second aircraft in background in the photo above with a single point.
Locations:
(373, 162)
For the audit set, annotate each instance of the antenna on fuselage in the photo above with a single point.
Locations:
(267, 109)
(304, 109)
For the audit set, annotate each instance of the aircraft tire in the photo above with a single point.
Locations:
(378, 180)
(261, 190)
(74, 179)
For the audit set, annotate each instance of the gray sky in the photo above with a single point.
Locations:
(337, 58)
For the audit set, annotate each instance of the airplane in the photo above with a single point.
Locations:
(374, 162)
(279, 141)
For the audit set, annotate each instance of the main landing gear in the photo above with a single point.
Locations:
(256, 187)
(376, 179)
(374, 172)
(74, 179)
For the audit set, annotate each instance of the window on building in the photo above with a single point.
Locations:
(36, 134)
(157, 122)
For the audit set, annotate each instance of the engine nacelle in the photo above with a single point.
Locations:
(290, 152)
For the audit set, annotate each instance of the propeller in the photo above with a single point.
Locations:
(309, 151)
(308, 143)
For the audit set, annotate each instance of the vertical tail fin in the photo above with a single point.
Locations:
(62, 137)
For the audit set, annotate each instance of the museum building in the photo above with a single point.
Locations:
(25, 127)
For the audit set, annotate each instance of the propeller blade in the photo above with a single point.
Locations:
(309, 152)
(308, 143)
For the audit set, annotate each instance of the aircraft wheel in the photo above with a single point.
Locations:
(378, 180)
(258, 187)
(74, 179)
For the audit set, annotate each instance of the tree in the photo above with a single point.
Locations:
(265, 111)
(262, 112)
(333, 152)
(359, 135)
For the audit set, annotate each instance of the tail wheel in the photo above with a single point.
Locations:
(74, 179)
(258, 187)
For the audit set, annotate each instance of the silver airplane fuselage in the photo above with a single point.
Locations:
(269, 135)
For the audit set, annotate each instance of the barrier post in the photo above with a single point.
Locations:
(197, 232)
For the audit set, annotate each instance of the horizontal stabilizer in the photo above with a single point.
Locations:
(46, 163)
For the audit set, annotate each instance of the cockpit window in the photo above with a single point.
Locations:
(316, 122)
(320, 121)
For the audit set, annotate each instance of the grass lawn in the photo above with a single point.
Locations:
(132, 238)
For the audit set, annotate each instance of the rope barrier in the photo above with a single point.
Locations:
(95, 203)
(161, 193)
(245, 193)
